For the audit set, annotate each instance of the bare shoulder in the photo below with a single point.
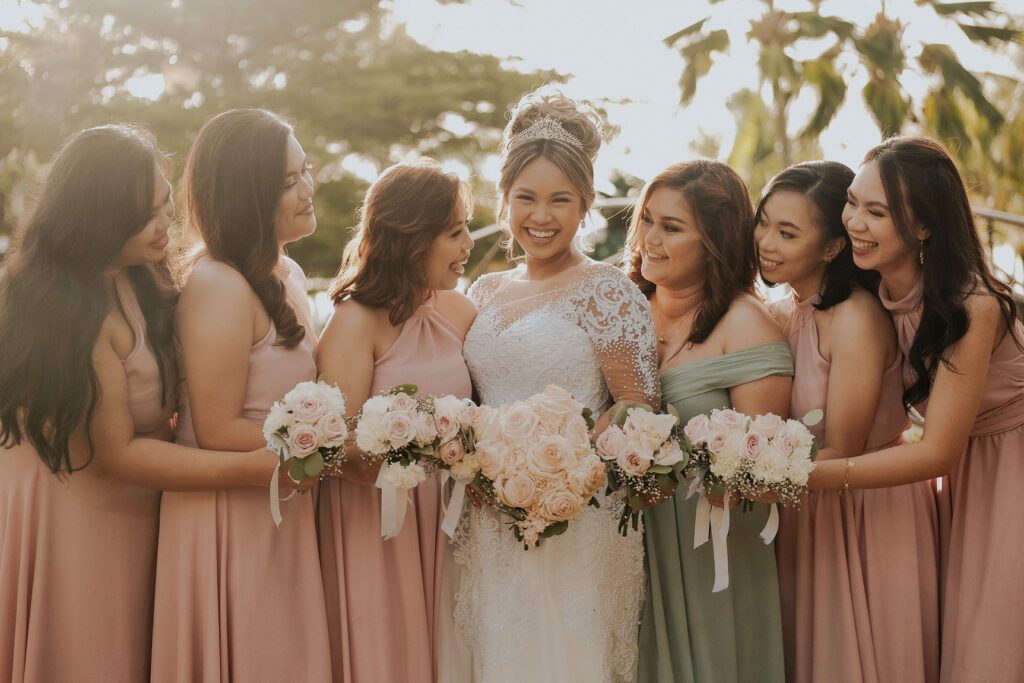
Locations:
(215, 280)
(350, 317)
(861, 313)
(781, 310)
(457, 308)
(748, 322)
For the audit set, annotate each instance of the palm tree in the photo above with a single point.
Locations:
(955, 107)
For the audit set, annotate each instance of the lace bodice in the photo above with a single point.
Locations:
(590, 333)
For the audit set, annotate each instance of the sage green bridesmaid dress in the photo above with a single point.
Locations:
(687, 633)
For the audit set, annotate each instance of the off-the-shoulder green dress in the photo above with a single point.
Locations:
(689, 634)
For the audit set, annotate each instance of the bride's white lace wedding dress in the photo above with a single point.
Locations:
(567, 610)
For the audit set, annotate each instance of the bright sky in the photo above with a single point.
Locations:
(615, 54)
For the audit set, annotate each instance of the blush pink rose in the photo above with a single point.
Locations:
(403, 402)
(426, 430)
(308, 409)
(333, 429)
(611, 442)
(632, 462)
(399, 428)
(302, 440)
(753, 444)
(698, 428)
(451, 452)
(727, 418)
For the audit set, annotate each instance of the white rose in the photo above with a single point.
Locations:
(650, 430)
(728, 418)
(426, 429)
(611, 442)
(767, 425)
(669, 454)
(468, 414)
(698, 428)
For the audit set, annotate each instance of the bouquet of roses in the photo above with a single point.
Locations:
(752, 457)
(411, 437)
(537, 463)
(307, 427)
(641, 451)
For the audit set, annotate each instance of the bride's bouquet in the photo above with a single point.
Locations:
(411, 437)
(306, 428)
(642, 454)
(752, 457)
(537, 463)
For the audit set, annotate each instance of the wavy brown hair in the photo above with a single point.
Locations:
(234, 179)
(54, 294)
(408, 206)
(718, 199)
(922, 184)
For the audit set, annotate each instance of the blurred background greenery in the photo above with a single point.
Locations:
(363, 93)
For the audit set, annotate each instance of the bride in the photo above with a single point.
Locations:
(569, 608)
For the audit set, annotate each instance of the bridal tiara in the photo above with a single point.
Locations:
(547, 128)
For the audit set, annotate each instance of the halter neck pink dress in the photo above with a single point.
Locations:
(383, 596)
(858, 574)
(983, 589)
(238, 599)
(77, 556)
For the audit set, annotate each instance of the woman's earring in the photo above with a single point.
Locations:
(920, 253)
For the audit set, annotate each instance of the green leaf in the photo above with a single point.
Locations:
(887, 104)
(813, 417)
(971, 9)
(313, 465)
(683, 33)
(296, 470)
(937, 58)
(556, 529)
(990, 35)
(410, 389)
(660, 469)
(673, 411)
(821, 74)
(698, 61)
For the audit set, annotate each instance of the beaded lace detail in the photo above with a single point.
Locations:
(578, 595)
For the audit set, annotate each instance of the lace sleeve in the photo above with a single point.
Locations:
(483, 288)
(617, 318)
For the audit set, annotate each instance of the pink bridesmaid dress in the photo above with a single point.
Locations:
(238, 599)
(858, 574)
(77, 557)
(383, 596)
(983, 588)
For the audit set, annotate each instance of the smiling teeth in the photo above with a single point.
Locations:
(862, 244)
(766, 263)
(541, 234)
(656, 257)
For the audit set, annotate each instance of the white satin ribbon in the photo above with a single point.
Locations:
(453, 511)
(276, 499)
(771, 527)
(715, 520)
(392, 507)
(695, 485)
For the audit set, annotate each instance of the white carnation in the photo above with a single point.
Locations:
(404, 477)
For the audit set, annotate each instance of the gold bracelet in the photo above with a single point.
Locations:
(846, 477)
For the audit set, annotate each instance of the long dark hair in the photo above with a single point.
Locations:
(234, 179)
(922, 184)
(54, 294)
(824, 184)
(405, 209)
(718, 198)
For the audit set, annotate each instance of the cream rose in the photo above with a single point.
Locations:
(588, 476)
(550, 456)
(333, 429)
(426, 429)
(518, 491)
(561, 505)
(519, 423)
(491, 455)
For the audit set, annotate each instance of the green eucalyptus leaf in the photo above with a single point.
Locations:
(556, 529)
(813, 417)
(313, 465)
(297, 470)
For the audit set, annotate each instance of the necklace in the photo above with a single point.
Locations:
(659, 322)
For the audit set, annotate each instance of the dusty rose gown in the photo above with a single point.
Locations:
(236, 598)
(858, 574)
(77, 557)
(383, 596)
(983, 589)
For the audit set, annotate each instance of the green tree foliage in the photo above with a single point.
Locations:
(956, 109)
(353, 83)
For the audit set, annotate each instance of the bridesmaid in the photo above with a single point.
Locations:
(237, 598)
(78, 550)
(397, 320)
(909, 218)
(847, 616)
(690, 250)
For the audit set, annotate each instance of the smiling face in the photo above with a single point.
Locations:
(149, 244)
(294, 218)
(791, 245)
(877, 243)
(446, 259)
(670, 241)
(544, 211)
